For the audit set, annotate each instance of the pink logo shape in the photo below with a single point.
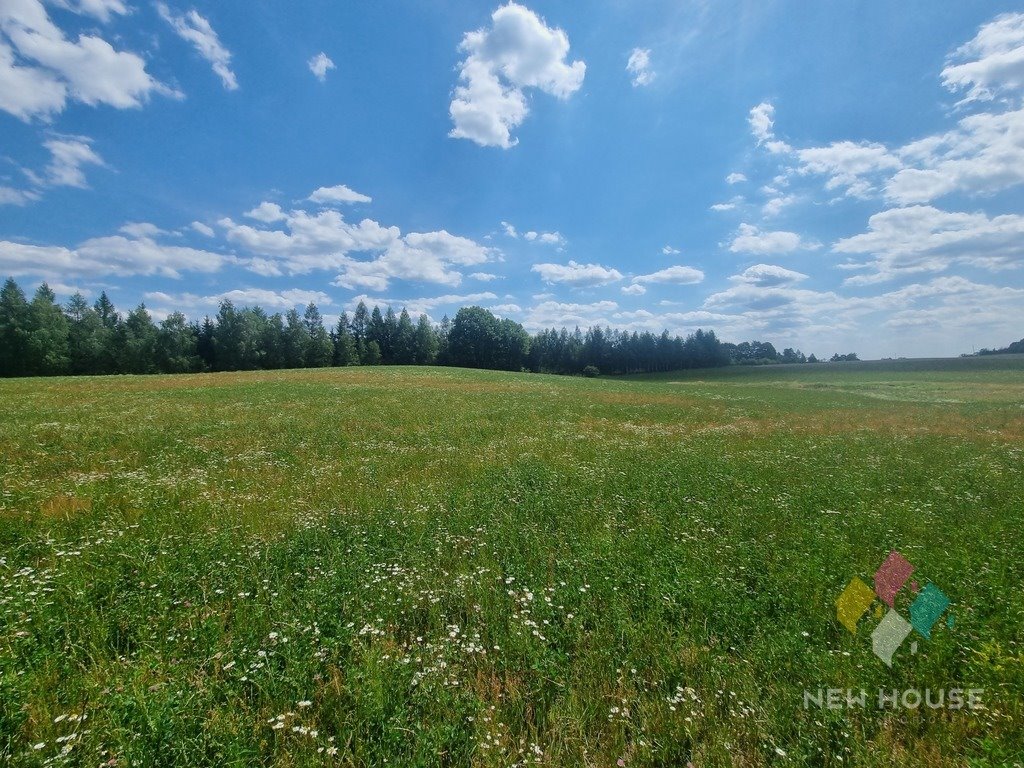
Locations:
(891, 576)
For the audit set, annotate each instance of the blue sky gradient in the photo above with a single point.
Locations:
(835, 177)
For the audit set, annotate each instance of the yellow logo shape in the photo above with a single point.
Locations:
(853, 602)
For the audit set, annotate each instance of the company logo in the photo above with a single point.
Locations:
(927, 608)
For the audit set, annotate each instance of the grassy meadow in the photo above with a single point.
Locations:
(440, 567)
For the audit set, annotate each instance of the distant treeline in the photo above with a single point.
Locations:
(1014, 348)
(41, 338)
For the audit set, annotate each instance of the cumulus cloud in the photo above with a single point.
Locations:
(101, 256)
(517, 52)
(423, 305)
(735, 178)
(203, 229)
(768, 275)
(338, 194)
(54, 69)
(639, 67)
(751, 239)
(678, 275)
(484, 277)
(925, 239)
(668, 250)
(982, 155)
(195, 29)
(268, 213)
(545, 238)
(556, 314)
(634, 290)
(67, 156)
(320, 65)
(577, 275)
(991, 63)
(189, 303)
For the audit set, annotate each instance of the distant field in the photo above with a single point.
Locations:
(426, 566)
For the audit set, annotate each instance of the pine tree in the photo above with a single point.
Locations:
(319, 348)
(404, 340)
(48, 352)
(138, 342)
(176, 345)
(86, 336)
(345, 352)
(14, 330)
(296, 340)
(425, 342)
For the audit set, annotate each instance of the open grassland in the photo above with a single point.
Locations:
(398, 567)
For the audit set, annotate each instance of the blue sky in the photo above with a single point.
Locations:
(835, 177)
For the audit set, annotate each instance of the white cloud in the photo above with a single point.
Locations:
(505, 309)
(519, 51)
(991, 63)
(68, 155)
(203, 229)
(484, 277)
(762, 125)
(100, 9)
(338, 194)
(12, 196)
(100, 256)
(735, 178)
(848, 165)
(88, 70)
(677, 275)
(320, 65)
(766, 275)
(141, 229)
(268, 213)
(577, 275)
(545, 238)
(639, 66)
(668, 250)
(424, 305)
(509, 229)
(188, 303)
(721, 207)
(775, 205)
(750, 239)
(195, 29)
(555, 314)
(925, 239)
(634, 290)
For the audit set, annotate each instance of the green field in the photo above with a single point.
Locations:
(427, 566)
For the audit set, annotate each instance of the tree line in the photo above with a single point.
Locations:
(38, 337)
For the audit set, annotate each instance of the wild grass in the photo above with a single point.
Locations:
(401, 566)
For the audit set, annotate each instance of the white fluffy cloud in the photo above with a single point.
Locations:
(577, 275)
(751, 239)
(338, 194)
(54, 69)
(735, 178)
(195, 29)
(677, 275)
(990, 64)
(68, 155)
(668, 250)
(320, 65)
(556, 314)
(101, 256)
(517, 52)
(545, 238)
(925, 239)
(982, 155)
(639, 67)
(189, 303)
(768, 275)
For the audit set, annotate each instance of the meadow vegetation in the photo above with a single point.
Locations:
(404, 566)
